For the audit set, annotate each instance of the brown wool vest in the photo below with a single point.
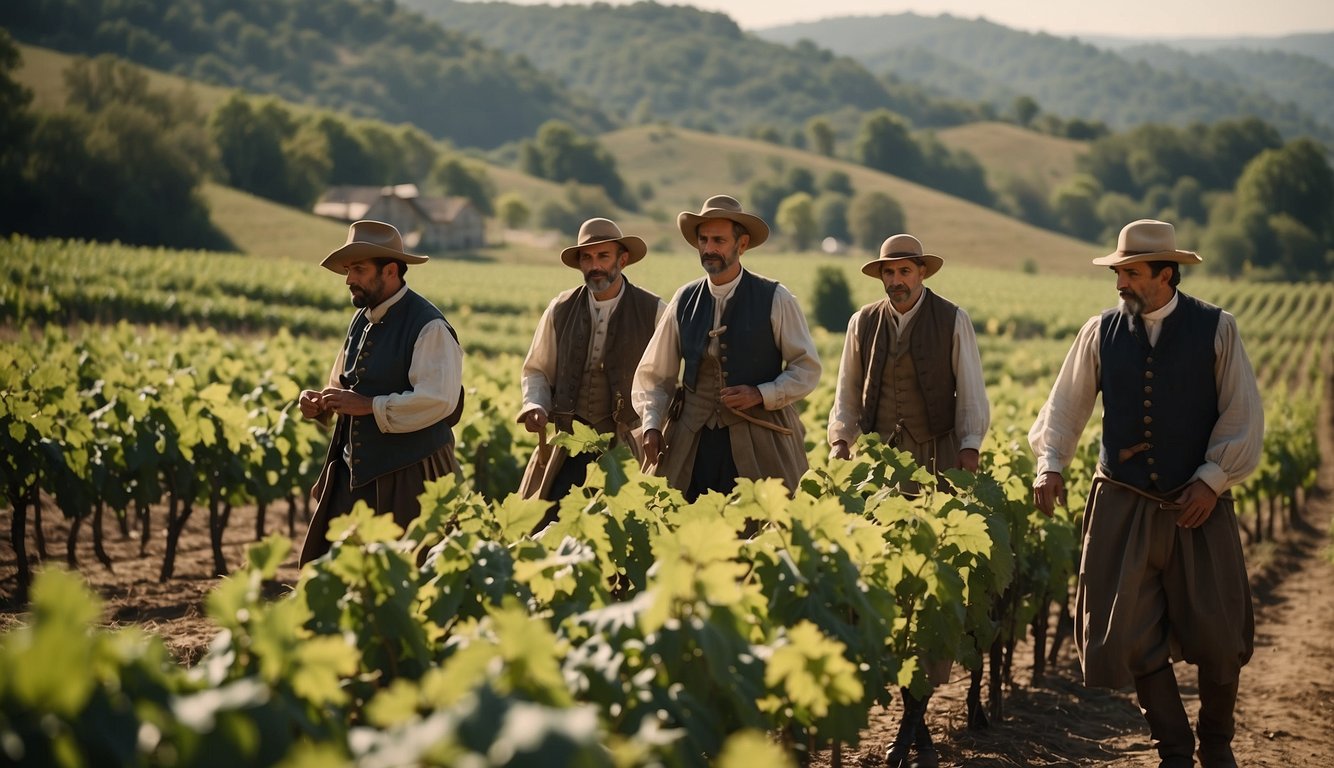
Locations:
(912, 379)
(599, 395)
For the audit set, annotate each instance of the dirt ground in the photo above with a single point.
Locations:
(1284, 712)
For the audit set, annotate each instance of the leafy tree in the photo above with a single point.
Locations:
(1075, 205)
(764, 196)
(16, 127)
(1024, 108)
(832, 299)
(872, 217)
(1302, 255)
(821, 136)
(796, 219)
(1295, 181)
(838, 182)
(799, 179)
(559, 153)
(455, 176)
(831, 216)
(1227, 250)
(513, 211)
(1188, 199)
(885, 144)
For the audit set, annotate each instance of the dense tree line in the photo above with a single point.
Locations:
(1256, 204)
(651, 62)
(118, 163)
(371, 59)
(977, 60)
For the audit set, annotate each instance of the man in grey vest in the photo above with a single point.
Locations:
(911, 373)
(583, 356)
(1162, 576)
(748, 357)
(395, 387)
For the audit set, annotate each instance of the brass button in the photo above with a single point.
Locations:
(1148, 374)
(1150, 460)
(1148, 433)
(1149, 360)
(1148, 390)
(724, 358)
(1148, 419)
(1153, 476)
(1148, 403)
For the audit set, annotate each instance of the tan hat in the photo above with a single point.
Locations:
(598, 231)
(898, 247)
(369, 239)
(1147, 240)
(722, 207)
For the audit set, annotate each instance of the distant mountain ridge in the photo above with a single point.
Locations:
(978, 59)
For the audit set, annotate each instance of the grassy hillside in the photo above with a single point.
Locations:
(42, 70)
(268, 230)
(1008, 150)
(685, 167)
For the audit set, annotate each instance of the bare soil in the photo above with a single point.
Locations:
(1284, 713)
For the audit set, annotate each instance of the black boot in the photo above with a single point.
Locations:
(913, 711)
(1160, 703)
(1217, 725)
(926, 757)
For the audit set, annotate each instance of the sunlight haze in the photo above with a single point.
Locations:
(1128, 18)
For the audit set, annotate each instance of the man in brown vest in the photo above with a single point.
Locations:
(396, 388)
(912, 374)
(748, 357)
(583, 357)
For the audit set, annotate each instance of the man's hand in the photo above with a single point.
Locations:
(535, 420)
(346, 402)
(652, 445)
(1194, 505)
(968, 458)
(1048, 491)
(740, 397)
(840, 450)
(311, 404)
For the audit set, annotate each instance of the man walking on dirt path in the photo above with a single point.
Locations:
(583, 357)
(912, 374)
(748, 357)
(396, 388)
(1163, 576)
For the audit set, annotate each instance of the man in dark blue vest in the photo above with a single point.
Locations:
(583, 357)
(748, 357)
(395, 388)
(1162, 577)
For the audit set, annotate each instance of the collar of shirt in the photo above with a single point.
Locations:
(902, 318)
(722, 292)
(1153, 321)
(376, 313)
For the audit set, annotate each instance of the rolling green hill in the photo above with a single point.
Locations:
(1005, 149)
(1066, 76)
(685, 167)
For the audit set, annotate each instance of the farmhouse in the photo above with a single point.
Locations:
(427, 223)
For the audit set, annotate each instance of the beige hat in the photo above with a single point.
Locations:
(598, 231)
(898, 247)
(1147, 240)
(722, 207)
(369, 239)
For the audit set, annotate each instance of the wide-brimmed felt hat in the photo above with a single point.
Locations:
(1147, 240)
(370, 239)
(898, 247)
(598, 231)
(722, 207)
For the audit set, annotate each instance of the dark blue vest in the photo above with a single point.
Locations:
(749, 353)
(1160, 403)
(377, 357)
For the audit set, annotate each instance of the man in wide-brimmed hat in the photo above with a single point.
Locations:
(911, 374)
(583, 357)
(748, 357)
(395, 387)
(1162, 576)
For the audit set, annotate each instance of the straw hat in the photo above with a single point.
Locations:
(722, 207)
(1147, 240)
(898, 247)
(598, 231)
(369, 239)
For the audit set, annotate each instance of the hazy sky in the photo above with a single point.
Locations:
(1133, 18)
